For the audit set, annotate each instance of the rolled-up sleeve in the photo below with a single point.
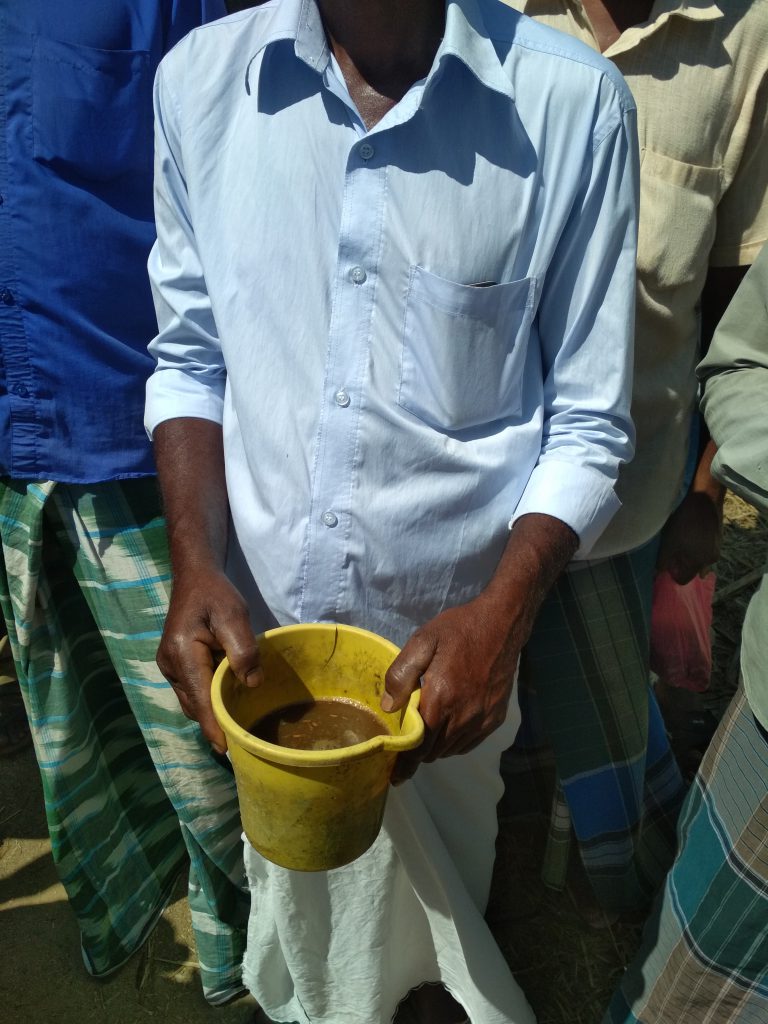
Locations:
(190, 376)
(586, 327)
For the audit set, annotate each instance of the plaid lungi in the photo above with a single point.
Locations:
(130, 786)
(704, 957)
(585, 674)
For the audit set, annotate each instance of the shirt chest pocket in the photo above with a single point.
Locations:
(678, 218)
(91, 110)
(464, 350)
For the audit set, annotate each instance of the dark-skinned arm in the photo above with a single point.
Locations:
(465, 659)
(207, 614)
(690, 540)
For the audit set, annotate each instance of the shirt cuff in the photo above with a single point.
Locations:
(582, 498)
(173, 393)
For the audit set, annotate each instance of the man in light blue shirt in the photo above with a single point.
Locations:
(394, 280)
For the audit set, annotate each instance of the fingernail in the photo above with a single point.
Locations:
(387, 703)
(218, 749)
(253, 678)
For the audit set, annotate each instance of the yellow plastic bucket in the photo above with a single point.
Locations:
(304, 809)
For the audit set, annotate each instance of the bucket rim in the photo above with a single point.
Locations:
(410, 738)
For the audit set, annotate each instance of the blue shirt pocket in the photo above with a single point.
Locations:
(91, 110)
(463, 350)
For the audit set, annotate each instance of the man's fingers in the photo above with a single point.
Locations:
(199, 673)
(211, 730)
(238, 641)
(467, 742)
(407, 763)
(194, 665)
(405, 672)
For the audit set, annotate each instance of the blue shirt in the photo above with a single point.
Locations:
(412, 334)
(76, 226)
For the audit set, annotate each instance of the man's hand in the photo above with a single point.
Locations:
(690, 539)
(207, 616)
(465, 659)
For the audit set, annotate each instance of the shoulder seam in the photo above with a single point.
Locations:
(602, 72)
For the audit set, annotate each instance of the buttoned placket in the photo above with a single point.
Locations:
(356, 276)
(15, 353)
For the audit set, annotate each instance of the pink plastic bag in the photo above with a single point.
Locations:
(681, 618)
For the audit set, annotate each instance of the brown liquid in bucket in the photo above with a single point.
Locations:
(329, 723)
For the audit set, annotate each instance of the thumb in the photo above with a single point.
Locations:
(236, 637)
(405, 672)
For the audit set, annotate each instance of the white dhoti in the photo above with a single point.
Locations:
(346, 946)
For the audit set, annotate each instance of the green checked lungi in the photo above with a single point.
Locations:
(585, 678)
(130, 786)
(704, 957)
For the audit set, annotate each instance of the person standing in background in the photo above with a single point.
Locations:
(705, 950)
(699, 74)
(131, 787)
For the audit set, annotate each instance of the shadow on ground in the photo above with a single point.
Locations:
(42, 977)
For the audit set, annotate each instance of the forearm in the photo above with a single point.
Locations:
(464, 660)
(537, 551)
(690, 540)
(703, 481)
(189, 454)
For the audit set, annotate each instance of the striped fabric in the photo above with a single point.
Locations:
(84, 584)
(584, 677)
(704, 958)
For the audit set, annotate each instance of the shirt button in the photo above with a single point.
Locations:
(20, 390)
(358, 275)
(341, 398)
(7, 296)
(330, 519)
(366, 151)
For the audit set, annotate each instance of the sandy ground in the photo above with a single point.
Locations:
(42, 977)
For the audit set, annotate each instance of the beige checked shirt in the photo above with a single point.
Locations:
(699, 74)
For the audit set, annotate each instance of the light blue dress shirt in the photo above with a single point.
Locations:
(411, 335)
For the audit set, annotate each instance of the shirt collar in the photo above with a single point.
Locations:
(466, 38)
(661, 12)
(694, 10)
(297, 21)
(311, 41)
